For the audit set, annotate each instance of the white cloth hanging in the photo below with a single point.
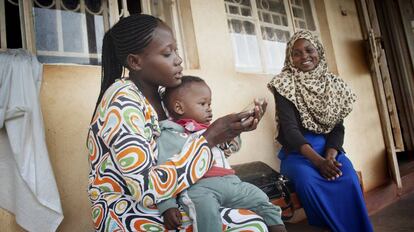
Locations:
(28, 187)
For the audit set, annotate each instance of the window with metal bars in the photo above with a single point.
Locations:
(71, 31)
(260, 29)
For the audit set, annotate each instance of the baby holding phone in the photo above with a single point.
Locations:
(189, 108)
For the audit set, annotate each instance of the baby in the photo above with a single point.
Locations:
(189, 108)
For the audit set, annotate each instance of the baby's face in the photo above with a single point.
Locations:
(196, 102)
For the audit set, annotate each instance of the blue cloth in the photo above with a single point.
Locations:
(338, 205)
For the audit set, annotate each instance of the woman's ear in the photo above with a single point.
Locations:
(179, 108)
(134, 62)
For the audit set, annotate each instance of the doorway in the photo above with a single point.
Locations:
(388, 29)
(396, 23)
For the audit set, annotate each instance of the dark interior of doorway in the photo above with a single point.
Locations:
(396, 40)
(406, 162)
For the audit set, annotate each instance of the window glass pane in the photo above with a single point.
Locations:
(284, 20)
(234, 10)
(277, 19)
(276, 23)
(72, 31)
(302, 13)
(94, 6)
(266, 18)
(246, 52)
(275, 32)
(238, 7)
(46, 29)
(72, 5)
(243, 35)
(248, 28)
(69, 31)
(246, 12)
(236, 25)
(13, 32)
(272, 11)
(98, 23)
(298, 13)
(273, 20)
(275, 56)
(45, 3)
(132, 7)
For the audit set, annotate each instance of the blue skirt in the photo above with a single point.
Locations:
(338, 205)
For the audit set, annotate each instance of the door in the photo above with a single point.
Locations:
(382, 86)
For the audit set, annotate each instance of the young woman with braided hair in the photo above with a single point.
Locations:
(124, 181)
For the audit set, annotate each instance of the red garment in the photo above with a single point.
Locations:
(218, 171)
(192, 126)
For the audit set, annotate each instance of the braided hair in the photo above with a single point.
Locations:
(128, 36)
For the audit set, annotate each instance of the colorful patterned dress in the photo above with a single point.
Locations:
(124, 181)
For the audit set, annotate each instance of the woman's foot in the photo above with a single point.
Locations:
(277, 228)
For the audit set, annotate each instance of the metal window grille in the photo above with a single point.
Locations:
(260, 29)
(71, 31)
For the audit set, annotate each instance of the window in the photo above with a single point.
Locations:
(173, 12)
(12, 39)
(260, 29)
(71, 31)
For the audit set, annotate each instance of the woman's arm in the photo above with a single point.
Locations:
(288, 123)
(335, 140)
(127, 132)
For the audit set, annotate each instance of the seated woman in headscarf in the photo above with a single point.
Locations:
(311, 104)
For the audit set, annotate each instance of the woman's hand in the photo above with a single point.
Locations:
(329, 168)
(226, 128)
(331, 153)
(259, 109)
(172, 219)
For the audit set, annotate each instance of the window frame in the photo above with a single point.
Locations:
(183, 29)
(254, 18)
(3, 39)
(110, 18)
(84, 38)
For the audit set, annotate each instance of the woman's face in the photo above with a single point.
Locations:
(304, 55)
(160, 62)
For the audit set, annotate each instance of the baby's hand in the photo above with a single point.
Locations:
(260, 107)
(256, 109)
(172, 219)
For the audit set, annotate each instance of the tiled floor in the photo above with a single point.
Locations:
(397, 217)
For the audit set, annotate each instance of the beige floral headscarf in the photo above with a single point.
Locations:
(322, 98)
